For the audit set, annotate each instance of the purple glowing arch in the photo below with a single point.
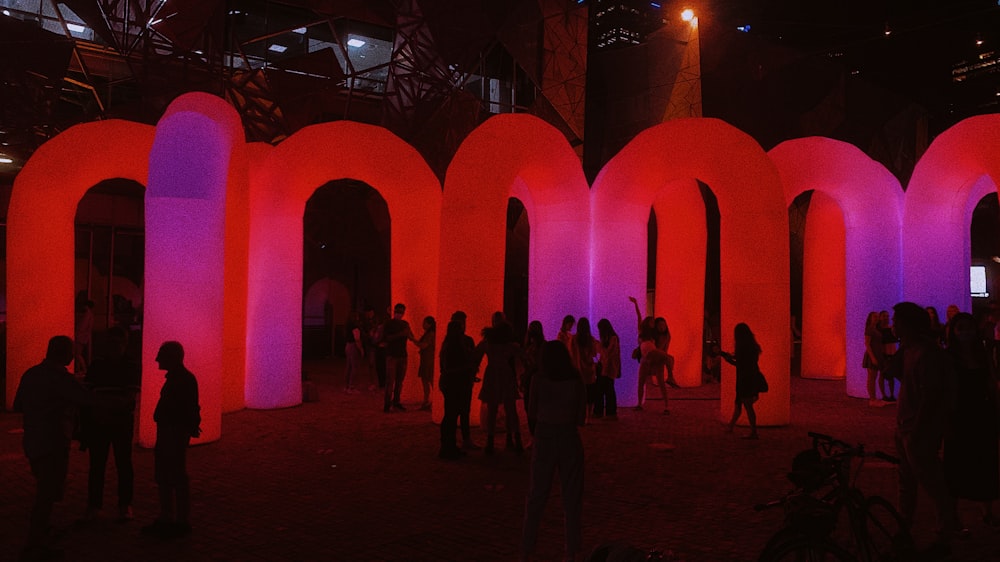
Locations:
(867, 201)
(958, 169)
(198, 151)
(754, 241)
(280, 186)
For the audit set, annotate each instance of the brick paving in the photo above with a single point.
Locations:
(337, 479)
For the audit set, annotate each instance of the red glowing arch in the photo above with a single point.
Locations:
(754, 241)
(515, 155)
(280, 187)
(958, 169)
(868, 201)
(40, 229)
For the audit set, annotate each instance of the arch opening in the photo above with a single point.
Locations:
(516, 254)
(985, 260)
(109, 262)
(346, 263)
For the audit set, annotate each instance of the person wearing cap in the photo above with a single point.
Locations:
(395, 332)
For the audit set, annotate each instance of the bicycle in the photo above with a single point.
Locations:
(825, 488)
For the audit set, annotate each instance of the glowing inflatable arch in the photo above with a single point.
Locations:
(959, 169)
(754, 242)
(197, 157)
(41, 229)
(515, 155)
(851, 263)
(280, 187)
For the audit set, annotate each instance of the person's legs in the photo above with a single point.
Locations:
(391, 365)
(929, 473)
(491, 424)
(98, 447)
(50, 483)
(737, 408)
(513, 422)
(122, 445)
(571, 482)
(464, 407)
(658, 376)
(907, 483)
(543, 465)
(751, 417)
(448, 422)
(600, 396)
(612, 398)
(872, 378)
(400, 374)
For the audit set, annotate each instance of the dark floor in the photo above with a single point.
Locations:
(339, 480)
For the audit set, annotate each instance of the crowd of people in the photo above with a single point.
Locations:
(941, 376)
(98, 411)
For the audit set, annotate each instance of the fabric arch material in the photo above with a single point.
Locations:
(871, 202)
(753, 240)
(521, 156)
(41, 230)
(958, 169)
(280, 187)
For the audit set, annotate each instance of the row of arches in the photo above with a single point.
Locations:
(224, 238)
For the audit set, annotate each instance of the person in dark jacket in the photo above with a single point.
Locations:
(114, 374)
(178, 419)
(49, 398)
(458, 373)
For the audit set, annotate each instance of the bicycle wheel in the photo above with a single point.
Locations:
(885, 536)
(800, 548)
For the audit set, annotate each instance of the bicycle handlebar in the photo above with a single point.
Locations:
(853, 450)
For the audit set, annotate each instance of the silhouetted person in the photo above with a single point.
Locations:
(425, 370)
(745, 357)
(558, 405)
(609, 348)
(926, 398)
(565, 334)
(500, 380)
(50, 398)
(395, 333)
(458, 373)
(533, 342)
(83, 329)
(178, 419)
(971, 455)
(107, 429)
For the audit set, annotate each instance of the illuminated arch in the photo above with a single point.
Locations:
(280, 187)
(868, 200)
(40, 229)
(958, 169)
(753, 240)
(197, 156)
(521, 156)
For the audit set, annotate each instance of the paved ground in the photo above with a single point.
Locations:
(339, 480)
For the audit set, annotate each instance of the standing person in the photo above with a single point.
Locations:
(565, 334)
(971, 454)
(937, 328)
(500, 380)
(178, 419)
(888, 372)
(458, 374)
(369, 327)
(379, 350)
(558, 405)
(874, 358)
(425, 370)
(663, 344)
(533, 342)
(395, 333)
(610, 353)
(583, 353)
(652, 361)
(926, 398)
(745, 357)
(118, 375)
(354, 351)
(949, 313)
(49, 398)
(465, 400)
